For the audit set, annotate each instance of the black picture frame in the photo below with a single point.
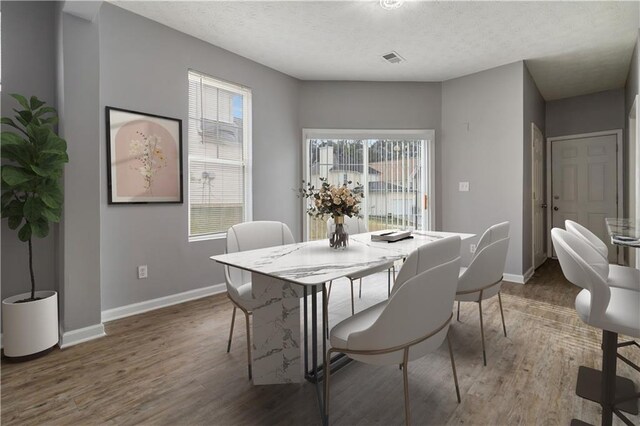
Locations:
(115, 120)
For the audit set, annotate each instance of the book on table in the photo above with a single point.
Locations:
(391, 236)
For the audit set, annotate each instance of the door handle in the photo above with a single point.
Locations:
(544, 206)
(555, 208)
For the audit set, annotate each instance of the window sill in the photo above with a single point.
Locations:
(208, 237)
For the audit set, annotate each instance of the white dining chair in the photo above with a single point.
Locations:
(356, 225)
(614, 310)
(242, 237)
(482, 279)
(411, 323)
(619, 276)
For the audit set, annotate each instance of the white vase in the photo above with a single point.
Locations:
(29, 327)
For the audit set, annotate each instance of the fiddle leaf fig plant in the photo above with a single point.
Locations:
(33, 159)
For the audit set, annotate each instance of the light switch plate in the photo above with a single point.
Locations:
(463, 186)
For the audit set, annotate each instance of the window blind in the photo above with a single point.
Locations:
(219, 133)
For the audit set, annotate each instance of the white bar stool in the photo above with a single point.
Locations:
(615, 311)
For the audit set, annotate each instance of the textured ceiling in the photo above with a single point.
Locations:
(571, 48)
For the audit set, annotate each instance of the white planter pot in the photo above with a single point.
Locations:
(29, 327)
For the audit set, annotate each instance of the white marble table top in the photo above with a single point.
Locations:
(314, 262)
(624, 232)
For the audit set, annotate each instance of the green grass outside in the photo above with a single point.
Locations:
(223, 216)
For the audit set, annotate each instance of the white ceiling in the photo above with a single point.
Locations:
(571, 48)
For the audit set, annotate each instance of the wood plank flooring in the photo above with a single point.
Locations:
(170, 366)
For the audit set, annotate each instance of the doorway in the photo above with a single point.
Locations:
(633, 189)
(584, 182)
(395, 168)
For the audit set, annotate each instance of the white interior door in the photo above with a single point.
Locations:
(538, 202)
(584, 183)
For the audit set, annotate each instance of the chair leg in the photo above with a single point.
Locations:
(353, 309)
(484, 354)
(326, 386)
(407, 410)
(504, 327)
(453, 367)
(246, 317)
(360, 290)
(458, 316)
(233, 320)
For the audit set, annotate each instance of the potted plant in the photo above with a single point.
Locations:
(33, 159)
(336, 201)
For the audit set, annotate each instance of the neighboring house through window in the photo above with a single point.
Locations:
(219, 156)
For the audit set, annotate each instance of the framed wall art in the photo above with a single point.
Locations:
(144, 157)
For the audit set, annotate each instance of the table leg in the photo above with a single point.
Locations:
(276, 331)
(306, 332)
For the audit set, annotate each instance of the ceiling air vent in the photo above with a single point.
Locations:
(393, 58)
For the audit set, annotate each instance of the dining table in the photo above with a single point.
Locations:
(285, 277)
(624, 231)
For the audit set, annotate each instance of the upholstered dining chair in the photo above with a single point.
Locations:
(614, 310)
(411, 323)
(619, 276)
(242, 237)
(356, 225)
(482, 279)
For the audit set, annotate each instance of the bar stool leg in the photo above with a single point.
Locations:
(609, 358)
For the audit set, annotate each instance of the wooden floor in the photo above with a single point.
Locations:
(170, 367)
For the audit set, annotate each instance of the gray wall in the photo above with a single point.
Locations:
(631, 86)
(79, 85)
(534, 112)
(143, 67)
(482, 124)
(373, 105)
(28, 68)
(585, 114)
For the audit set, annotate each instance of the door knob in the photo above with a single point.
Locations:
(555, 208)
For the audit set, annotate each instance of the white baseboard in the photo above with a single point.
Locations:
(73, 337)
(161, 302)
(518, 279)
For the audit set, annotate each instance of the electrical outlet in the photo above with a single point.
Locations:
(142, 272)
(463, 186)
(472, 248)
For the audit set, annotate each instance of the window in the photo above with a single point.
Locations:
(395, 167)
(219, 156)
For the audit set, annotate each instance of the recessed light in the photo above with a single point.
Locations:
(391, 4)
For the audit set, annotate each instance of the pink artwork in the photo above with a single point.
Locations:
(144, 157)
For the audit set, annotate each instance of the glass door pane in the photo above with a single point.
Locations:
(393, 172)
(396, 189)
(337, 160)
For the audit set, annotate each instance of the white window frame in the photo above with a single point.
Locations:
(247, 131)
(419, 134)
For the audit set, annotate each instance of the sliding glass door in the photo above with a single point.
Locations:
(394, 169)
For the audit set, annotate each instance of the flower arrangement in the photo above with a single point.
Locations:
(149, 153)
(332, 200)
